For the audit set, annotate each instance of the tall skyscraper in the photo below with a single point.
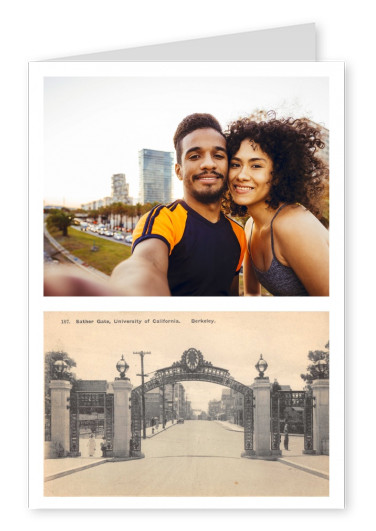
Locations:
(120, 188)
(156, 173)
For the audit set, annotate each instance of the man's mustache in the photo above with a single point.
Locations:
(205, 173)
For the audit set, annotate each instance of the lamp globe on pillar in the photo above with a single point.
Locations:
(261, 366)
(321, 367)
(122, 367)
(59, 367)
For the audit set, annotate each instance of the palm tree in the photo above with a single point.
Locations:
(131, 213)
(60, 220)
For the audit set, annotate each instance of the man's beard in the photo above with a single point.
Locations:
(211, 195)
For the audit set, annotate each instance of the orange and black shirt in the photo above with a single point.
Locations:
(204, 257)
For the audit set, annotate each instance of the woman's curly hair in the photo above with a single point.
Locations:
(298, 175)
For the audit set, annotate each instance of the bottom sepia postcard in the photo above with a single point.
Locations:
(187, 409)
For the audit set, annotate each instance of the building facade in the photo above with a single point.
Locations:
(120, 188)
(156, 174)
(119, 194)
(175, 405)
(229, 408)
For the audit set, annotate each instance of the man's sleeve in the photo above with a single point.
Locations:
(158, 223)
(240, 234)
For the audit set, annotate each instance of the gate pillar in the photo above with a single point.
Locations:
(320, 391)
(60, 436)
(261, 391)
(122, 418)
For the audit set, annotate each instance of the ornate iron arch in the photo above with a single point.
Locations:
(191, 367)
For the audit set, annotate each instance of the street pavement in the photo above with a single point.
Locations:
(197, 458)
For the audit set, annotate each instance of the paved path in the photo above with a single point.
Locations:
(197, 458)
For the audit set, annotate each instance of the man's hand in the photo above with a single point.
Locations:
(144, 273)
(69, 281)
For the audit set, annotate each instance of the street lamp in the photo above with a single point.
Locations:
(261, 366)
(59, 367)
(321, 366)
(122, 367)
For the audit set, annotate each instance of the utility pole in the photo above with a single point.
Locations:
(163, 407)
(172, 404)
(142, 354)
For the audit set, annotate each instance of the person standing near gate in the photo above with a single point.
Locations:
(286, 436)
(91, 445)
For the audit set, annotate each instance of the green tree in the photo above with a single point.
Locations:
(275, 386)
(118, 210)
(104, 212)
(93, 213)
(132, 212)
(314, 356)
(60, 220)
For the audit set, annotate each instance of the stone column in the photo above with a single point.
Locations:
(261, 390)
(122, 418)
(60, 394)
(320, 391)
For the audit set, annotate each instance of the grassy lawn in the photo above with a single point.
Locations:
(108, 255)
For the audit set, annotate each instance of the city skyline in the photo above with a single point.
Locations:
(95, 127)
(156, 174)
(234, 341)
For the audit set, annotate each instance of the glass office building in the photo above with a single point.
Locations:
(156, 174)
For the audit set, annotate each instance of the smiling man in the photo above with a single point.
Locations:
(189, 247)
(186, 248)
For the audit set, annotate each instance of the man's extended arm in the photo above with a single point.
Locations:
(145, 272)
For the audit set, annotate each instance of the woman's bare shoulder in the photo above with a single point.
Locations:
(296, 219)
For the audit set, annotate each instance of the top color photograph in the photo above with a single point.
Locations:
(186, 185)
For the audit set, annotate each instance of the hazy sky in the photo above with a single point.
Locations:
(234, 342)
(95, 126)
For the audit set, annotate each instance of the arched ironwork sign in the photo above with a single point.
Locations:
(191, 367)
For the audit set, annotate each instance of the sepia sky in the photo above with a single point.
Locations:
(234, 341)
(95, 126)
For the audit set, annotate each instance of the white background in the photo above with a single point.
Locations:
(40, 30)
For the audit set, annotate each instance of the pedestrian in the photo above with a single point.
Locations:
(103, 446)
(91, 445)
(286, 436)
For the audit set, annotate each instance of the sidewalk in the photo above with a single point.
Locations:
(56, 468)
(150, 433)
(294, 457)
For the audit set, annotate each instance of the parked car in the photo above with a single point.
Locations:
(108, 232)
(118, 236)
(128, 239)
(180, 421)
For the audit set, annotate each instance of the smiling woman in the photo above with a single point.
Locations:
(276, 178)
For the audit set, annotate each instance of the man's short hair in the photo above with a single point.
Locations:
(190, 124)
